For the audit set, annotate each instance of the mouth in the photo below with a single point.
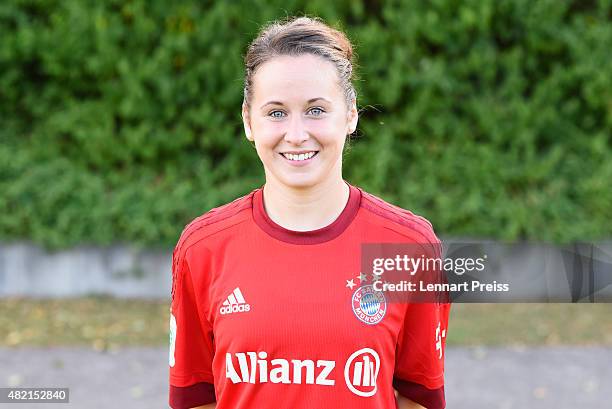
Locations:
(299, 156)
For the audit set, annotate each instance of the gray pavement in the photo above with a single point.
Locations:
(491, 378)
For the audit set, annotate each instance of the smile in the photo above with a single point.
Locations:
(297, 157)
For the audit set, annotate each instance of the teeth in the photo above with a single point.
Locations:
(301, 156)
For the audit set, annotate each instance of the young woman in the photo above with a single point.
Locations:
(270, 308)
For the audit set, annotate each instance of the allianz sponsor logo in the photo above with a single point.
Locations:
(361, 370)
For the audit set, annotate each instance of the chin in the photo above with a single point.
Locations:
(299, 181)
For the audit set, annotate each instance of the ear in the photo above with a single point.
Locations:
(352, 118)
(246, 122)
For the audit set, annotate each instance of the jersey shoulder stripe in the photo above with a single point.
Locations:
(214, 220)
(211, 222)
(402, 218)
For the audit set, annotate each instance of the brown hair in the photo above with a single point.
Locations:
(296, 36)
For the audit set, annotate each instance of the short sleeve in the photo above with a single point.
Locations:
(419, 362)
(191, 341)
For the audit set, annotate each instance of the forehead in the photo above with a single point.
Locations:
(296, 77)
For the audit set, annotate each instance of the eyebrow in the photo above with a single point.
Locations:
(310, 101)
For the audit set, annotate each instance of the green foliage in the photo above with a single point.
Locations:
(120, 120)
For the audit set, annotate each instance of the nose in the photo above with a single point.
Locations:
(296, 132)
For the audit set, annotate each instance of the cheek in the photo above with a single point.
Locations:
(328, 132)
(332, 125)
(320, 126)
(268, 133)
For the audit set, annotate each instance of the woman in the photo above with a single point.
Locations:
(270, 308)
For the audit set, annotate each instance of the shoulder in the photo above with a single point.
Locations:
(204, 227)
(215, 220)
(399, 220)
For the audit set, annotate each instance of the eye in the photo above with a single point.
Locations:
(273, 114)
(317, 109)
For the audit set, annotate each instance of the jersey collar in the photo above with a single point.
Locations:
(318, 236)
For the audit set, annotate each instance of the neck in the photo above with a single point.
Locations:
(305, 209)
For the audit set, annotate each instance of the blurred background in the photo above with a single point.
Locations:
(120, 123)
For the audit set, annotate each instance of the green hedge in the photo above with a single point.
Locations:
(120, 120)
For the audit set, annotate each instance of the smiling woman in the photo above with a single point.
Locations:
(264, 313)
(299, 123)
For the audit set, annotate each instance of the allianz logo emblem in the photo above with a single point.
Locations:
(361, 370)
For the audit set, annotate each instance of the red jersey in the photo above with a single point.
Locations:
(265, 317)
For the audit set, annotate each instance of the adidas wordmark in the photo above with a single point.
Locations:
(235, 303)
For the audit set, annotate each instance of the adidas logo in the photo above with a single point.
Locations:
(235, 303)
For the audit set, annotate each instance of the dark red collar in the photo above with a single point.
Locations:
(321, 235)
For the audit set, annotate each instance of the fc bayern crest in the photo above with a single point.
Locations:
(368, 305)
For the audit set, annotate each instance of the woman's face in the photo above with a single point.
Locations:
(298, 120)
